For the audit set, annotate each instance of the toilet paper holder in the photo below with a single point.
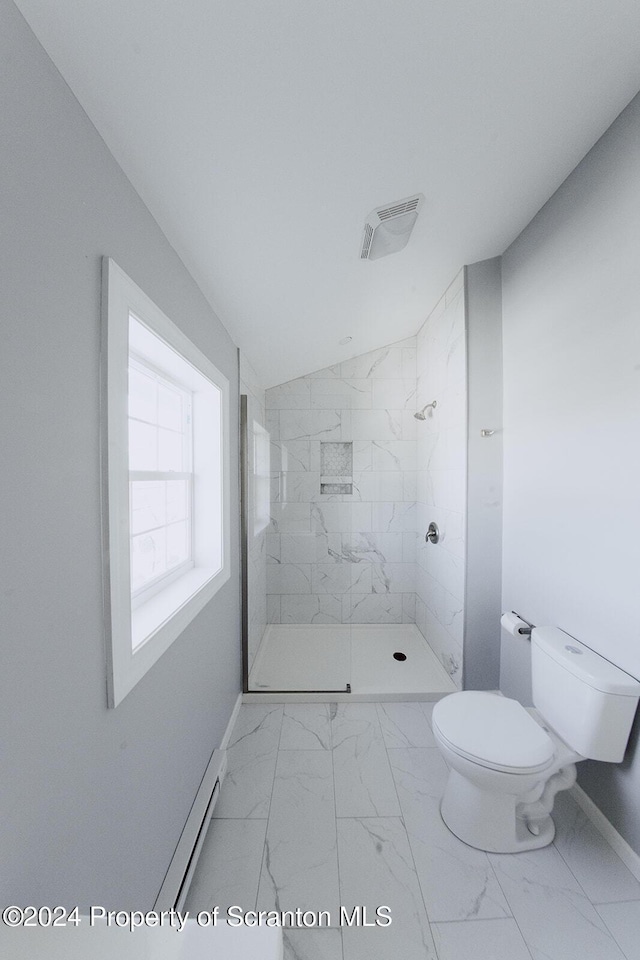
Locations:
(510, 623)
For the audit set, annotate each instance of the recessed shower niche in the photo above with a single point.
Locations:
(336, 468)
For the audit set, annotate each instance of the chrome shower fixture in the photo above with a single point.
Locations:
(422, 414)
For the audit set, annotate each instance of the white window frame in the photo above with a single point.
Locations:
(137, 638)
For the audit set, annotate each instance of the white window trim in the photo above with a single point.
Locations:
(135, 641)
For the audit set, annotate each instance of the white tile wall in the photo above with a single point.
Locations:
(345, 558)
(440, 480)
(361, 558)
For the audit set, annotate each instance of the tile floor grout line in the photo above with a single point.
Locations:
(413, 859)
(613, 936)
(508, 902)
(613, 903)
(568, 866)
(335, 817)
(273, 782)
(577, 879)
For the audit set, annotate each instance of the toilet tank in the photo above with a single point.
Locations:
(586, 699)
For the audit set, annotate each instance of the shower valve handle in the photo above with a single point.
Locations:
(433, 534)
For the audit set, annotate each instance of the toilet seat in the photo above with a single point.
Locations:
(492, 731)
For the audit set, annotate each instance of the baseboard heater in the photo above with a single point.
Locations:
(178, 878)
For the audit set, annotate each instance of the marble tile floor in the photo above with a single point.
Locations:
(337, 803)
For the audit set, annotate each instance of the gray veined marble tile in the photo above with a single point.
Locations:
(228, 870)
(599, 870)
(373, 547)
(295, 487)
(362, 455)
(623, 920)
(372, 608)
(289, 578)
(306, 726)
(393, 577)
(372, 486)
(320, 944)
(293, 395)
(395, 455)
(297, 547)
(393, 516)
(273, 609)
(408, 608)
(394, 394)
(363, 782)
(555, 918)
(290, 517)
(290, 455)
(273, 548)
(251, 755)
(376, 869)
(376, 425)
(257, 725)
(300, 867)
(457, 881)
(325, 372)
(480, 940)
(384, 363)
(310, 424)
(332, 394)
(333, 578)
(405, 725)
(310, 608)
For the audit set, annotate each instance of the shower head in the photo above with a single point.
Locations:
(422, 414)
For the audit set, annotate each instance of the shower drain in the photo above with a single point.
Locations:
(399, 656)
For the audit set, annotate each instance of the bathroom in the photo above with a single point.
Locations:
(525, 337)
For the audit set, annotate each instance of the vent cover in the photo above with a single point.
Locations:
(387, 229)
(366, 243)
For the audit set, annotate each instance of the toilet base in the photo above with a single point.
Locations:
(488, 820)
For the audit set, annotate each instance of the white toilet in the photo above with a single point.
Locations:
(507, 763)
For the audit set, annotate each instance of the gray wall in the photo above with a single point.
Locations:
(93, 800)
(571, 339)
(483, 588)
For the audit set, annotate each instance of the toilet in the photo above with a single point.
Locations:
(507, 762)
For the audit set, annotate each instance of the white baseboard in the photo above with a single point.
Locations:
(224, 743)
(628, 856)
(183, 863)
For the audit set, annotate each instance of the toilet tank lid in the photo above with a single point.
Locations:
(584, 663)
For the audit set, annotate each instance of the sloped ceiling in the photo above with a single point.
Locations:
(260, 133)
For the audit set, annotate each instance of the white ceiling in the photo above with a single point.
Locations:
(260, 133)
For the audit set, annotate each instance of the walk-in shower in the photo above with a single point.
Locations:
(343, 597)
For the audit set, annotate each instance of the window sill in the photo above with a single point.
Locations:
(165, 615)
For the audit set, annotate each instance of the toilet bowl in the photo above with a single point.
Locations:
(505, 770)
(507, 762)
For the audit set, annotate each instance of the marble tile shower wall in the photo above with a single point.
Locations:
(441, 479)
(345, 558)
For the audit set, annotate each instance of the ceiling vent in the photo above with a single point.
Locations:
(387, 229)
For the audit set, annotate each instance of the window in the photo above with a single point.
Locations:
(160, 478)
(167, 480)
(262, 479)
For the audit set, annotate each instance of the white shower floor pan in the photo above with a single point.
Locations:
(309, 662)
